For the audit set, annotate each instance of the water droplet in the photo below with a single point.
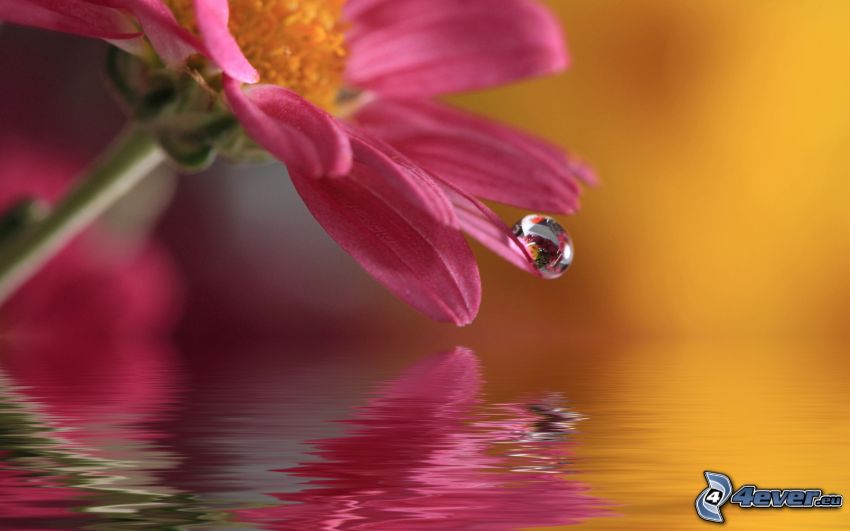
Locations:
(547, 242)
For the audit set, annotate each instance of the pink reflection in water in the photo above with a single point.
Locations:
(85, 371)
(27, 499)
(426, 453)
(85, 449)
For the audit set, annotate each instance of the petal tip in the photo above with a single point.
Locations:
(462, 323)
(248, 74)
(212, 17)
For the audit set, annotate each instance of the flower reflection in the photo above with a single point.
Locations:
(86, 375)
(86, 370)
(428, 453)
(98, 467)
(28, 496)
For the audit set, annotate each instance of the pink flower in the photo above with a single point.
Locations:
(396, 176)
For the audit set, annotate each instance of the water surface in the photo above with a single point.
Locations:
(268, 440)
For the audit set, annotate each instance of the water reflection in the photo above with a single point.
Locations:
(215, 449)
(83, 451)
(427, 453)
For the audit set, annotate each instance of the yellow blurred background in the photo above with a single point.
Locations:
(703, 325)
(721, 131)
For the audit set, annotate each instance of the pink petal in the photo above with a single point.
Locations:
(411, 47)
(212, 17)
(170, 40)
(376, 214)
(483, 158)
(410, 180)
(307, 139)
(70, 16)
(480, 222)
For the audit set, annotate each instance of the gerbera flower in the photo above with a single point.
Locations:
(341, 92)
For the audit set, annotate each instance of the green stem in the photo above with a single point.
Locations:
(133, 156)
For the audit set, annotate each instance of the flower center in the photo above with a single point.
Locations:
(297, 44)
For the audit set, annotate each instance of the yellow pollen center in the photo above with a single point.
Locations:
(297, 44)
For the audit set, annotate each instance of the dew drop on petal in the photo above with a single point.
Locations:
(547, 242)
